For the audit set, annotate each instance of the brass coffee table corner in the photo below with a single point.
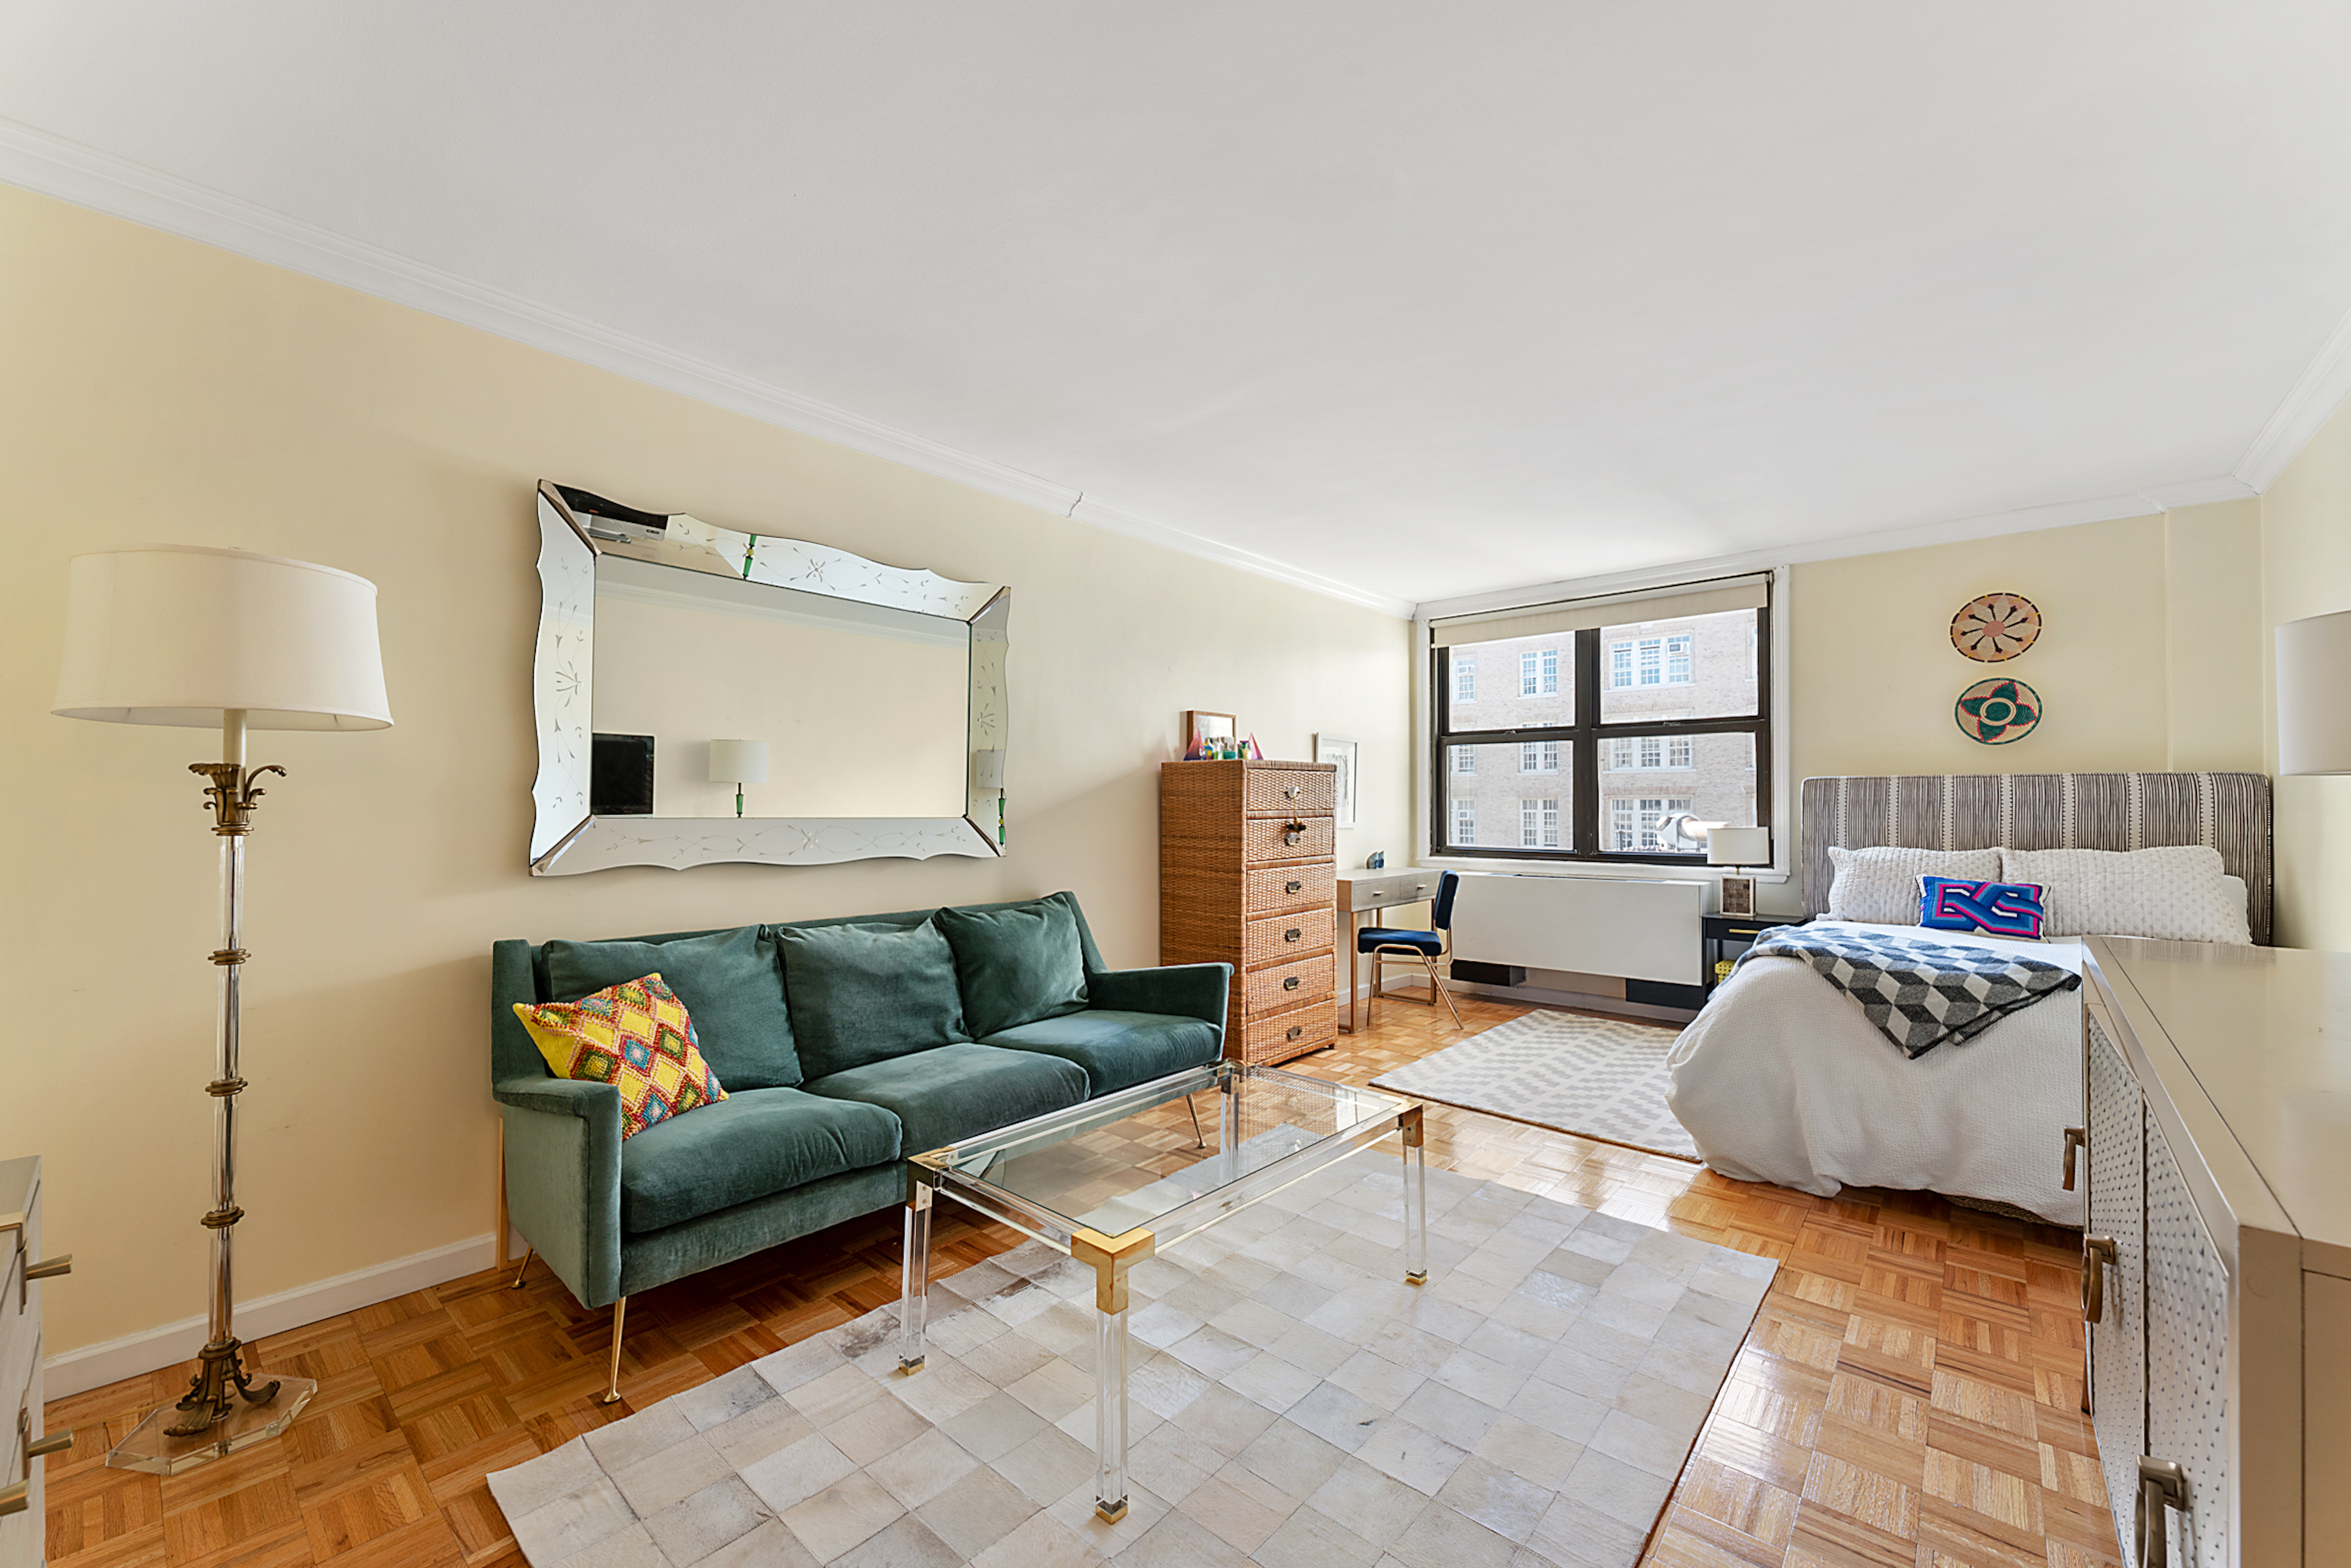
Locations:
(1046, 1177)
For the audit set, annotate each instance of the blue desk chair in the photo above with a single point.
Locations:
(1388, 946)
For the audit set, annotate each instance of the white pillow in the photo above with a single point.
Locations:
(2178, 894)
(1880, 886)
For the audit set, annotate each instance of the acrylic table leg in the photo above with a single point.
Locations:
(1110, 1415)
(1415, 1199)
(915, 1287)
(1229, 1129)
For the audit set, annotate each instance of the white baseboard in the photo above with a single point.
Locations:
(1579, 1000)
(96, 1366)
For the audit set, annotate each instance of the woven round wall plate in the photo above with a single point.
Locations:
(1996, 627)
(1998, 711)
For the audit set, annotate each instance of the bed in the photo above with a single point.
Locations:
(1781, 1079)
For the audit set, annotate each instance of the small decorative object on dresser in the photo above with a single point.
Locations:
(1339, 751)
(1201, 730)
(1246, 878)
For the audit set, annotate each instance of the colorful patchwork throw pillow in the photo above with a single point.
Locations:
(635, 1036)
(1995, 908)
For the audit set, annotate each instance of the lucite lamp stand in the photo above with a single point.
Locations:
(226, 1409)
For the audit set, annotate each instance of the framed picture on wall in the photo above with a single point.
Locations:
(1341, 750)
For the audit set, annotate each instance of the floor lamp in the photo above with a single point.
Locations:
(179, 634)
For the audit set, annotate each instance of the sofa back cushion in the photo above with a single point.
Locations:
(1017, 963)
(864, 993)
(728, 980)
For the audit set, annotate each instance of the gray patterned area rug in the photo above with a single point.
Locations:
(1293, 1403)
(1597, 1078)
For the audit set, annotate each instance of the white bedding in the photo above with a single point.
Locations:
(1781, 1079)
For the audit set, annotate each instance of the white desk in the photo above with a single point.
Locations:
(1365, 893)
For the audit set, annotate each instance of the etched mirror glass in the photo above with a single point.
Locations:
(710, 695)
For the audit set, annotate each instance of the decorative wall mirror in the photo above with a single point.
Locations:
(706, 695)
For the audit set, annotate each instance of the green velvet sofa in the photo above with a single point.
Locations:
(844, 1045)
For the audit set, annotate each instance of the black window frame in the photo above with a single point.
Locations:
(1584, 737)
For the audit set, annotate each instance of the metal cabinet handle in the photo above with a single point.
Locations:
(2076, 1140)
(1292, 934)
(1290, 791)
(15, 1498)
(1295, 1031)
(1293, 832)
(2161, 1484)
(2097, 1256)
(1291, 983)
(38, 1448)
(50, 1268)
(1293, 887)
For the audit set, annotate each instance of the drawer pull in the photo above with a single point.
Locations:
(2161, 1485)
(1292, 791)
(1293, 887)
(50, 1268)
(2076, 1140)
(1295, 1031)
(15, 1498)
(1293, 832)
(38, 1448)
(2097, 1256)
(1291, 983)
(1292, 934)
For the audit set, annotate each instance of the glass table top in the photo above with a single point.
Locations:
(1132, 1158)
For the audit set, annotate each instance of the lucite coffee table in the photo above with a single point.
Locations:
(1109, 1183)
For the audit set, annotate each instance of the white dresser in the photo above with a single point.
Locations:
(23, 1517)
(2217, 1268)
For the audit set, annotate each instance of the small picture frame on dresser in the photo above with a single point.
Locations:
(1340, 750)
(1201, 727)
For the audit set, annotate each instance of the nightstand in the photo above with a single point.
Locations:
(1723, 936)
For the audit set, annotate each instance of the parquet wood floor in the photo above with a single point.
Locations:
(1909, 1393)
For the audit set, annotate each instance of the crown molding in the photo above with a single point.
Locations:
(1118, 520)
(87, 177)
(1990, 525)
(2312, 399)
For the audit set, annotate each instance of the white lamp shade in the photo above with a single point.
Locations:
(1739, 846)
(180, 634)
(739, 762)
(2314, 695)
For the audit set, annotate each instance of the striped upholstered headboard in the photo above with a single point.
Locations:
(2229, 811)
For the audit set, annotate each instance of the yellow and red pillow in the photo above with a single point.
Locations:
(636, 1036)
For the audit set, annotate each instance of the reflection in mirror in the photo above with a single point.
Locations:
(860, 706)
(710, 695)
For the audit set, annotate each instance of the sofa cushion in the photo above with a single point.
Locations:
(1017, 963)
(956, 1091)
(757, 1141)
(864, 993)
(728, 980)
(1117, 1049)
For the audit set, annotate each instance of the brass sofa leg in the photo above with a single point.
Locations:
(611, 1394)
(528, 1254)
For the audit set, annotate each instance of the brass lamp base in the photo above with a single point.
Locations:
(221, 1414)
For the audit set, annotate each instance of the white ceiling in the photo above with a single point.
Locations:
(1418, 300)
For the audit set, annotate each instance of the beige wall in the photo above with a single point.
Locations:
(2149, 657)
(157, 389)
(2306, 552)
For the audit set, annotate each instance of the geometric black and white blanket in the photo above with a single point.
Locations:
(1920, 994)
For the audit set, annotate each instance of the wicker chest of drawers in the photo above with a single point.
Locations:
(1246, 877)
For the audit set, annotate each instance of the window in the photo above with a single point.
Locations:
(1464, 760)
(1465, 680)
(1538, 672)
(1616, 728)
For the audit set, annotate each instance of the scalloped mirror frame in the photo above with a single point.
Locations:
(566, 840)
